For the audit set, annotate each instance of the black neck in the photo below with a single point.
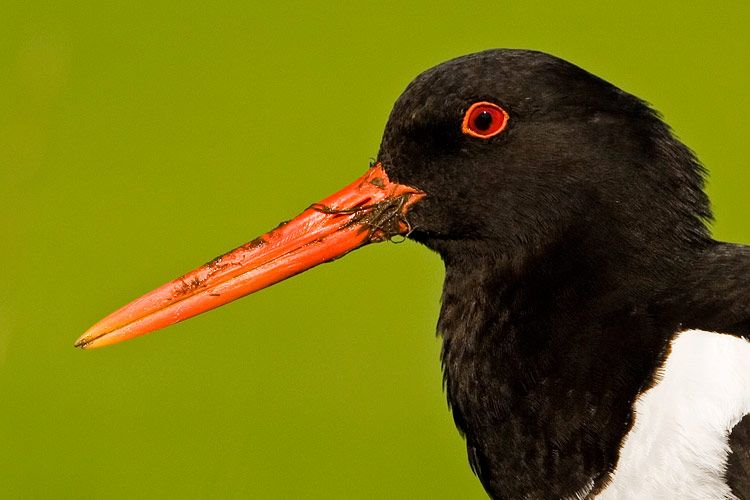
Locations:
(544, 356)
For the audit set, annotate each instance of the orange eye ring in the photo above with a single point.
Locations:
(484, 120)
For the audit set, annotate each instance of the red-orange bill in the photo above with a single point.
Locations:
(370, 209)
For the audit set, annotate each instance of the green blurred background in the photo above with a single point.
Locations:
(140, 139)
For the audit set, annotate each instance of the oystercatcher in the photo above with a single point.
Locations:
(594, 334)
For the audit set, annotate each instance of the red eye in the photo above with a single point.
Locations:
(484, 119)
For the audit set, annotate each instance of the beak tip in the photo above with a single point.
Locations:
(84, 341)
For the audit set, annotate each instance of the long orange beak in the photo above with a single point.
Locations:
(369, 210)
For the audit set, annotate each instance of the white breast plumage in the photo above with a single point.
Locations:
(678, 446)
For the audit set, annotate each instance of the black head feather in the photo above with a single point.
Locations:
(576, 150)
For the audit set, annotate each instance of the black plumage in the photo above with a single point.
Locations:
(738, 462)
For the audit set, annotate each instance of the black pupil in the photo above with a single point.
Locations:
(483, 120)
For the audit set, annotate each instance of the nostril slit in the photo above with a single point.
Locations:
(363, 203)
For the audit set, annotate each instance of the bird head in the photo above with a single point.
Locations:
(517, 150)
